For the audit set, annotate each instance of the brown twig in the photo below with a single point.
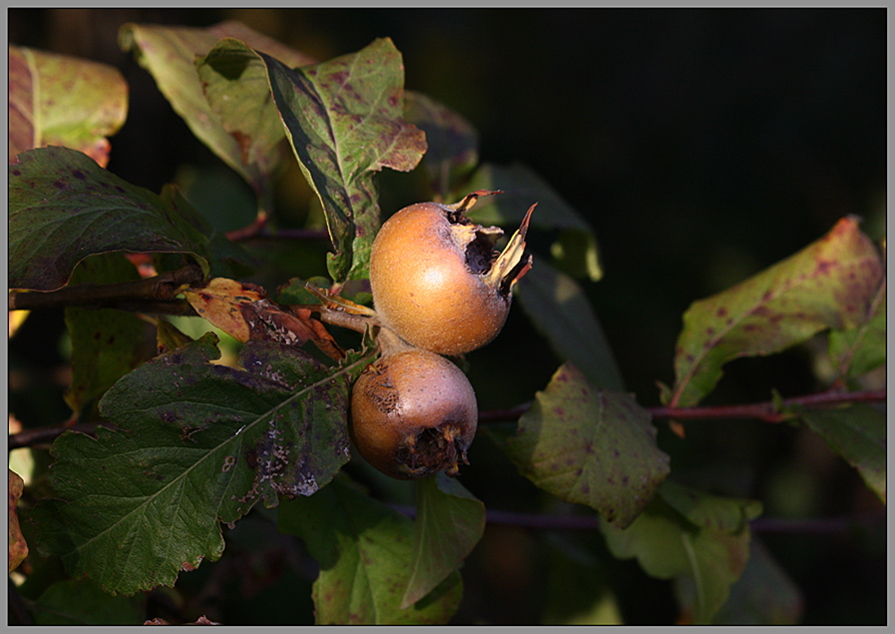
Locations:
(154, 294)
(766, 411)
(41, 435)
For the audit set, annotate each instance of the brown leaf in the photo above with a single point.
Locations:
(243, 311)
(18, 549)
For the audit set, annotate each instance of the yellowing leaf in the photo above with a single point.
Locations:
(829, 284)
(61, 100)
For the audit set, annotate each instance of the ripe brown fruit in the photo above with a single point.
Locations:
(413, 413)
(437, 280)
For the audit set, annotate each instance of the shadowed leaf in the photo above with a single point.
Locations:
(453, 150)
(763, 595)
(344, 119)
(589, 446)
(106, 343)
(829, 284)
(82, 602)
(65, 101)
(450, 521)
(858, 434)
(560, 310)
(64, 207)
(365, 552)
(194, 444)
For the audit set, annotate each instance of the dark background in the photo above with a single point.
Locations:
(701, 145)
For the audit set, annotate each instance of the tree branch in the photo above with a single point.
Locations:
(766, 411)
(155, 294)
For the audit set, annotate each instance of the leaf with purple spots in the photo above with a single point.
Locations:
(64, 101)
(344, 119)
(829, 284)
(63, 207)
(195, 444)
(366, 554)
(589, 446)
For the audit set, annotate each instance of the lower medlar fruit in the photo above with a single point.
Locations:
(413, 413)
(437, 280)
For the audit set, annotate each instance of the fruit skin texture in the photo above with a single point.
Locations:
(423, 288)
(413, 413)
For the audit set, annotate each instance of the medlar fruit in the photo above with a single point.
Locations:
(437, 280)
(413, 413)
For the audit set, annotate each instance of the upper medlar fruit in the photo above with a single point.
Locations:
(413, 413)
(437, 280)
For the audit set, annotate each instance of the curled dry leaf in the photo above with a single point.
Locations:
(243, 311)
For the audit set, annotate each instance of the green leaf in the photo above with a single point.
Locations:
(453, 143)
(829, 284)
(344, 121)
(63, 207)
(195, 444)
(66, 101)
(763, 595)
(701, 541)
(575, 245)
(858, 434)
(857, 351)
(365, 552)
(578, 591)
(589, 446)
(106, 343)
(82, 602)
(560, 310)
(169, 54)
(450, 521)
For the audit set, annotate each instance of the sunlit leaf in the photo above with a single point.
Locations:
(829, 284)
(365, 551)
(450, 521)
(561, 311)
(344, 119)
(169, 54)
(194, 444)
(701, 541)
(858, 434)
(65, 101)
(453, 143)
(64, 207)
(589, 446)
(575, 245)
(18, 548)
(106, 343)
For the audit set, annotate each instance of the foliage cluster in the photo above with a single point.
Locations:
(190, 433)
